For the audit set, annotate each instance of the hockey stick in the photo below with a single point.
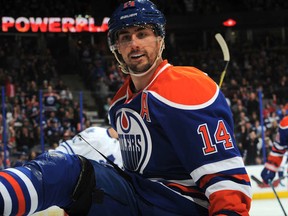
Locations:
(262, 184)
(116, 167)
(226, 55)
(272, 186)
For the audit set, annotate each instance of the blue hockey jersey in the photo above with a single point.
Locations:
(280, 146)
(178, 133)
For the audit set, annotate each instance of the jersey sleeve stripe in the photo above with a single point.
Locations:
(220, 166)
(18, 191)
(31, 189)
(229, 185)
(68, 146)
(6, 199)
(209, 178)
(278, 147)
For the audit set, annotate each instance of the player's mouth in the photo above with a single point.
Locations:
(136, 56)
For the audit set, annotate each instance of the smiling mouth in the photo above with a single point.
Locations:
(136, 56)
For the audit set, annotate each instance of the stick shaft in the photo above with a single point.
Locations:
(277, 197)
(226, 55)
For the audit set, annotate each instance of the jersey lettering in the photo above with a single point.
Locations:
(209, 147)
(221, 135)
(144, 107)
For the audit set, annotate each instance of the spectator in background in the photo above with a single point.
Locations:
(25, 139)
(51, 101)
(115, 77)
(66, 94)
(251, 149)
(10, 89)
(33, 111)
(68, 127)
(53, 132)
(32, 155)
(4, 163)
(21, 159)
(32, 89)
(282, 90)
(252, 105)
(101, 94)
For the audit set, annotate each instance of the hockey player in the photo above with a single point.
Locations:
(176, 135)
(92, 139)
(277, 157)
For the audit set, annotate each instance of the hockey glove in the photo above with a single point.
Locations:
(267, 175)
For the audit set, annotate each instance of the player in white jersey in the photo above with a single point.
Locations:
(91, 140)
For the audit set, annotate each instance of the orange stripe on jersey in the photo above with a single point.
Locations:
(177, 84)
(207, 178)
(186, 190)
(18, 191)
(182, 188)
(284, 122)
(278, 151)
(236, 201)
(275, 160)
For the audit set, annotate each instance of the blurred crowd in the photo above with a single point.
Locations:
(102, 8)
(29, 67)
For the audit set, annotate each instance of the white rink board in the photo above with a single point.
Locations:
(52, 211)
(266, 193)
(269, 207)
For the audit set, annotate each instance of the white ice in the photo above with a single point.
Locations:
(263, 207)
(269, 207)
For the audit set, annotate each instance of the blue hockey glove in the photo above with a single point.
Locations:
(267, 175)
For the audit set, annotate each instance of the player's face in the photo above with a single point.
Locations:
(139, 47)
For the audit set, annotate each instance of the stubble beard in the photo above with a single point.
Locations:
(136, 68)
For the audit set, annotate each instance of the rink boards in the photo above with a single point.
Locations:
(265, 191)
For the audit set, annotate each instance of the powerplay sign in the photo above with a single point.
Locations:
(52, 24)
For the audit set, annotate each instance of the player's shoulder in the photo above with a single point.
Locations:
(184, 85)
(284, 123)
(94, 133)
(94, 129)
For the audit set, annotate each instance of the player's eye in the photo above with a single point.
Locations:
(125, 38)
(142, 34)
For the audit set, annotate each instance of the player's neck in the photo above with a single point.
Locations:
(140, 82)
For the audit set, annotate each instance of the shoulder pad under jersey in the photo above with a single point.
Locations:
(184, 85)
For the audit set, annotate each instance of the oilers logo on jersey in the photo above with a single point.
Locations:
(135, 140)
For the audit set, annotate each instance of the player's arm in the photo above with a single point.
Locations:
(275, 157)
(51, 179)
(206, 147)
(217, 166)
(76, 145)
